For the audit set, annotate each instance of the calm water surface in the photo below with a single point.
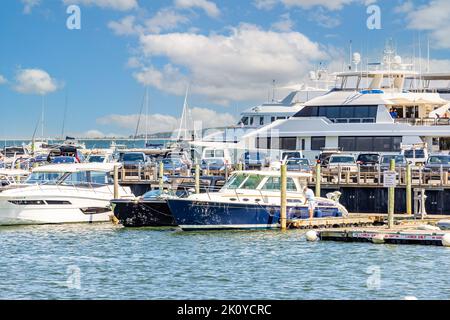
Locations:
(104, 261)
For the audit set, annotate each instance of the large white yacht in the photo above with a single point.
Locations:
(62, 193)
(358, 115)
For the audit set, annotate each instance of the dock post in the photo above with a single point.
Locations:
(318, 180)
(197, 178)
(391, 199)
(408, 190)
(283, 199)
(116, 182)
(161, 176)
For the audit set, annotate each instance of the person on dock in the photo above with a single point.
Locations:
(310, 200)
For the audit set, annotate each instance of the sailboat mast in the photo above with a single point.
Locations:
(42, 117)
(146, 115)
(183, 122)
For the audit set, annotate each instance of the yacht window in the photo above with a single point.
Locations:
(100, 178)
(235, 181)
(251, 121)
(272, 119)
(281, 118)
(288, 143)
(44, 177)
(274, 184)
(252, 182)
(375, 144)
(76, 178)
(244, 121)
(362, 112)
(317, 143)
(261, 121)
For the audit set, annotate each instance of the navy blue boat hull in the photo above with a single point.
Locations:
(198, 215)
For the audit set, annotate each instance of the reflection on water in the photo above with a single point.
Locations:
(103, 261)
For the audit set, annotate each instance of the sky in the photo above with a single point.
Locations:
(92, 76)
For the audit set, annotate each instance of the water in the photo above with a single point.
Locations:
(103, 261)
(90, 143)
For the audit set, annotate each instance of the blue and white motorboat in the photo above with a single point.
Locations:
(250, 200)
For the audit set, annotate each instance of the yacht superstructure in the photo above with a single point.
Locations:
(369, 111)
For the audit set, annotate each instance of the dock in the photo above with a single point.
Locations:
(379, 235)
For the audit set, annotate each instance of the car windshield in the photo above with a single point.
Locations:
(64, 160)
(439, 160)
(213, 162)
(369, 158)
(44, 177)
(301, 162)
(96, 159)
(172, 161)
(398, 159)
(133, 157)
(342, 159)
(411, 154)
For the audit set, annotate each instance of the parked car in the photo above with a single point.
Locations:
(64, 159)
(100, 158)
(416, 156)
(214, 166)
(344, 162)
(298, 164)
(254, 160)
(135, 161)
(385, 163)
(368, 162)
(183, 156)
(174, 166)
(325, 155)
(436, 162)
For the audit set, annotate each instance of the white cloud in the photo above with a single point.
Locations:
(35, 81)
(168, 79)
(165, 19)
(431, 17)
(166, 123)
(209, 7)
(2, 79)
(120, 5)
(306, 4)
(235, 66)
(29, 4)
(265, 4)
(323, 19)
(125, 27)
(285, 24)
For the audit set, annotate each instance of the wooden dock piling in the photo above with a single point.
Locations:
(283, 199)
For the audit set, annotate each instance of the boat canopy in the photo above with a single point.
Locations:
(13, 172)
(77, 167)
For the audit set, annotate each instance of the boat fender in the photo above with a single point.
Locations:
(446, 240)
(378, 239)
(311, 236)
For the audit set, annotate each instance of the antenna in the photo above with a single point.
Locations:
(146, 115)
(273, 90)
(351, 55)
(428, 55)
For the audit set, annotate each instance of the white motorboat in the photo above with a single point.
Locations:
(62, 193)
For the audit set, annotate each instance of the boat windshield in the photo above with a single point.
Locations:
(439, 160)
(97, 159)
(235, 181)
(274, 184)
(92, 178)
(44, 177)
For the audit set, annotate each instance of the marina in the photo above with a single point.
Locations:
(209, 150)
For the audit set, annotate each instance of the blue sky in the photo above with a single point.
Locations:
(228, 51)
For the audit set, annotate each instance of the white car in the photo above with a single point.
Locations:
(344, 162)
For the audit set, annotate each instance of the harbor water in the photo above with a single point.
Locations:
(105, 261)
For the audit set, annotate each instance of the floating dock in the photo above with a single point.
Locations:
(397, 235)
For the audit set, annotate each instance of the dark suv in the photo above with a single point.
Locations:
(368, 162)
